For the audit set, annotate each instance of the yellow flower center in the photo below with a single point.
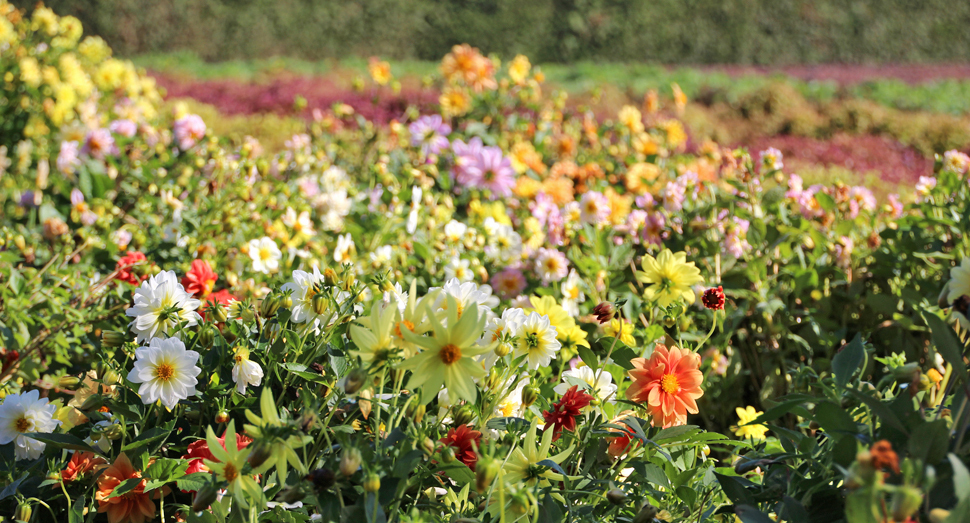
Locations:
(230, 472)
(450, 354)
(669, 383)
(165, 371)
(22, 424)
(264, 253)
(238, 358)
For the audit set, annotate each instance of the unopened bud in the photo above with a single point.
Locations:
(372, 483)
(222, 417)
(447, 454)
(286, 302)
(646, 514)
(616, 496)
(113, 338)
(205, 497)
(906, 373)
(322, 479)
(939, 515)
(206, 337)
(519, 504)
(427, 447)
(906, 501)
(463, 415)
(419, 413)
(113, 431)
(486, 470)
(269, 306)
(502, 349)
(219, 312)
(93, 402)
(111, 377)
(529, 396)
(320, 304)
(350, 461)
(355, 380)
(68, 382)
(260, 453)
(23, 512)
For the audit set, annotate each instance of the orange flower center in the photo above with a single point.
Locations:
(22, 425)
(669, 383)
(406, 324)
(165, 371)
(450, 354)
(230, 472)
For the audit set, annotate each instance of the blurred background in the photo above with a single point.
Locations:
(860, 91)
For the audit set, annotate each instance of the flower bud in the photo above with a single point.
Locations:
(494, 379)
(419, 413)
(111, 377)
(646, 514)
(68, 382)
(260, 453)
(113, 339)
(205, 497)
(486, 470)
(529, 396)
(463, 415)
(320, 304)
(113, 431)
(906, 501)
(604, 312)
(355, 380)
(322, 479)
(269, 306)
(206, 337)
(350, 461)
(23, 512)
(447, 454)
(939, 515)
(93, 402)
(427, 447)
(292, 494)
(502, 349)
(287, 302)
(519, 504)
(616, 496)
(219, 312)
(372, 483)
(222, 417)
(706, 451)
(906, 373)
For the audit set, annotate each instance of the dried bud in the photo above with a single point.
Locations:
(372, 483)
(616, 496)
(355, 380)
(261, 452)
(350, 461)
(322, 479)
(604, 312)
(205, 497)
(713, 298)
(113, 338)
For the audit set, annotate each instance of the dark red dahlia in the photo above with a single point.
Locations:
(127, 270)
(713, 298)
(464, 440)
(200, 279)
(563, 414)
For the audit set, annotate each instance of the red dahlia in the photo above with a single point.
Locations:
(713, 298)
(127, 270)
(563, 414)
(462, 439)
(200, 279)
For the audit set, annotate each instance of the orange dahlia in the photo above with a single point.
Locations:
(134, 506)
(667, 384)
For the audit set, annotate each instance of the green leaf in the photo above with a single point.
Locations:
(750, 514)
(734, 489)
(834, 419)
(946, 343)
(64, 441)
(194, 481)
(930, 442)
(76, 515)
(301, 371)
(848, 360)
(590, 359)
(154, 435)
(164, 470)
(458, 471)
(880, 409)
(125, 487)
(961, 477)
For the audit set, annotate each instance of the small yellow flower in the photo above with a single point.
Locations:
(519, 69)
(380, 71)
(631, 118)
(624, 334)
(454, 101)
(745, 416)
(669, 277)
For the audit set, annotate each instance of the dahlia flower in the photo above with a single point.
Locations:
(166, 372)
(161, 305)
(668, 384)
(22, 414)
(669, 278)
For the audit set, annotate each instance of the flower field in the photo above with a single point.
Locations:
(490, 305)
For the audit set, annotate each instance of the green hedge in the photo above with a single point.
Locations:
(666, 31)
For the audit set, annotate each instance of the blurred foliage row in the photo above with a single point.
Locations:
(667, 31)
